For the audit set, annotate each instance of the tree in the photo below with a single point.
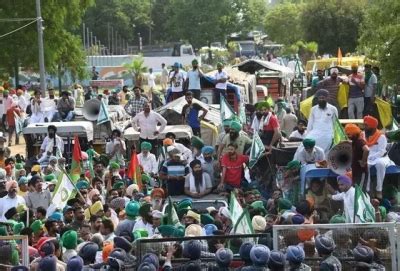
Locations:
(333, 23)
(63, 48)
(202, 21)
(252, 14)
(137, 68)
(282, 23)
(380, 37)
(125, 17)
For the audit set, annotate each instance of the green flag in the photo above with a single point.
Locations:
(64, 190)
(226, 110)
(103, 114)
(363, 208)
(240, 217)
(256, 151)
(171, 214)
(338, 132)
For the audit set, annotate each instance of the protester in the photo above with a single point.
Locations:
(176, 80)
(65, 107)
(136, 102)
(356, 93)
(193, 78)
(190, 114)
(145, 123)
(221, 79)
(321, 120)
(377, 156)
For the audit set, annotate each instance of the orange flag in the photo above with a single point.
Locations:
(134, 171)
(339, 56)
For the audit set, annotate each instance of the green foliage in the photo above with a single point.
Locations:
(333, 23)
(380, 37)
(282, 23)
(137, 68)
(62, 47)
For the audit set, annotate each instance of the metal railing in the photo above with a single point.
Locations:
(346, 237)
(23, 246)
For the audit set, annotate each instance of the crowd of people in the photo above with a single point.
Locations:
(101, 224)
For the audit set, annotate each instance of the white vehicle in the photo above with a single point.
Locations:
(153, 56)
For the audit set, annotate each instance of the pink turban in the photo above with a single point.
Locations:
(93, 192)
(9, 184)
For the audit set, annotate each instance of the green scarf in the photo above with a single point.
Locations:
(367, 76)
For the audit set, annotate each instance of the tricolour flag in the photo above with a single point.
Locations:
(134, 171)
(256, 151)
(363, 208)
(226, 110)
(103, 114)
(338, 132)
(64, 190)
(172, 215)
(76, 164)
(240, 217)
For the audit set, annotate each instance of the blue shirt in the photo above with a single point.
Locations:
(191, 114)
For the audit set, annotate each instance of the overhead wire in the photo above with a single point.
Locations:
(19, 28)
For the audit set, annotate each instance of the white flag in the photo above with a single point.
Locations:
(226, 110)
(62, 193)
(103, 114)
(256, 151)
(242, 114)
(240, 217)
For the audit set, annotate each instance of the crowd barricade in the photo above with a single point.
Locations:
(159, 246)
(22, 242)
(384, 236)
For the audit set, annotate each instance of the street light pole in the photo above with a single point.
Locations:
(41, 49)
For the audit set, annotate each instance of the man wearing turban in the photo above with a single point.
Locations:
(197, 183)
(360, 152)
(320, 123)
(310, 153)
(331, 84)
(356, 95)
(377, 157)
(234, 137)
(147, 160)
(346, 194)
(10, 200)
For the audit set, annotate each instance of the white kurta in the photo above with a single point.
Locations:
(148, 162)
(320, 126)
(348, 204)
(379, 159)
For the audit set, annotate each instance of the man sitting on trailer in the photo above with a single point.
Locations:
(301, 131)
(136, 103)
(310, 153)
(378, 155)
(65, 107)
(52, 144)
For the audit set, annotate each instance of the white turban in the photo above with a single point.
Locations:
(334, 70)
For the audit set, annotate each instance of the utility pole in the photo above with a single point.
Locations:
(84, 36)
(41, 49)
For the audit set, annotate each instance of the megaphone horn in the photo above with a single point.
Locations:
(340, 158)
(91, 109)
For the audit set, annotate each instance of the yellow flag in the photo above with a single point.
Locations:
(385, 112)
(305, 106)
(343, 95)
